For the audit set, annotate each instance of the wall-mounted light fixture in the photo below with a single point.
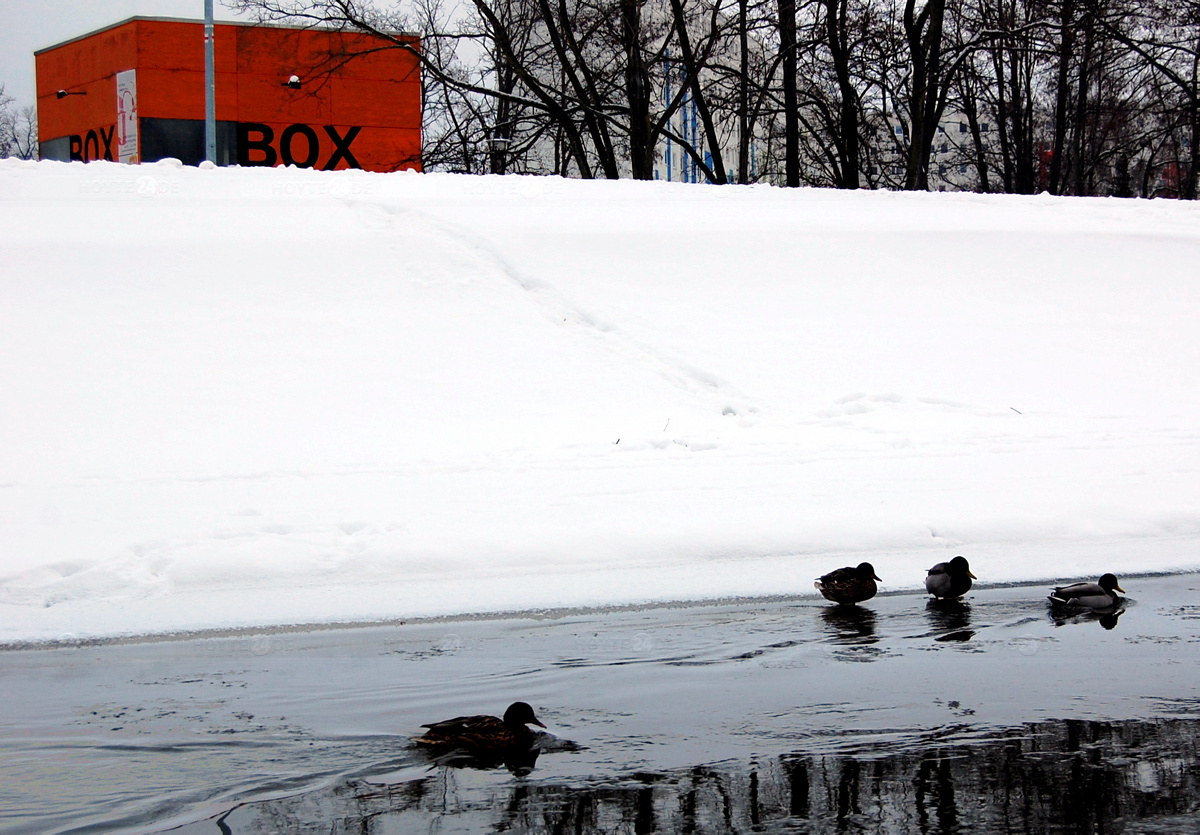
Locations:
(62, 94)
(293, 82)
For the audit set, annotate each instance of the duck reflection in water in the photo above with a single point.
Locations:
(950, 619)
(849, 624)
(1107, 620)
(519, 762)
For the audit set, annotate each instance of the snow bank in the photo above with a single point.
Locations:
(250, 397)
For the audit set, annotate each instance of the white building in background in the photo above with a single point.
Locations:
(952, 158)
(952, 164)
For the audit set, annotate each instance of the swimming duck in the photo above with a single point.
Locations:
(950, 579)
(484, 736)
(849, 585)
(1094, 596)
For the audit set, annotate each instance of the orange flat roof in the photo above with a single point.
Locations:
(167, 19)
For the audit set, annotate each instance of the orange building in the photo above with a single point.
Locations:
(314, 98)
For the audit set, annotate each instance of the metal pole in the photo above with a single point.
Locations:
(210, 87)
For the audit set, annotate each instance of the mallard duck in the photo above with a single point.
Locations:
(849, 585)
(950, 579)
(1093, 596)
(484, 736)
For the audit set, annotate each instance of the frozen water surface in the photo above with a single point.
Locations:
(901, 715)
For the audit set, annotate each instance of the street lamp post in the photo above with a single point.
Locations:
(210, 87)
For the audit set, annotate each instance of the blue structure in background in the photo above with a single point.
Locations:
(689, 132)
(689, 122)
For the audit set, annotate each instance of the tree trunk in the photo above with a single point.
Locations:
(562, 38)
(1079, 153)
(1020, 110)
(924, 34)
(971, 108)
(1066, 47)
(637, 91)
(791, 101)
(743, 103)
(1003, 124)
(848, 121)
(1189, 183)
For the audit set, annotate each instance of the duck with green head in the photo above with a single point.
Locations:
(950, 579)
(1093, 597)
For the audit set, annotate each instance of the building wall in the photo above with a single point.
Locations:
(366, 105)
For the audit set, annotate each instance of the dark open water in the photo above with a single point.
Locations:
(782, 716)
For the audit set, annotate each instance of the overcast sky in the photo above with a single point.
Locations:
(29, 25)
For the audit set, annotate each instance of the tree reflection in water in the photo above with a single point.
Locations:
(1064, 776)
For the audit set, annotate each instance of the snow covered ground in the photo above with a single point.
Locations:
(267, 396)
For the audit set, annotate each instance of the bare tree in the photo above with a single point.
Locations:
(1165, 35)
(18, 129)
(1074, 96)
(791, 102)
(838, 84)
(923, 32)
(839, 38)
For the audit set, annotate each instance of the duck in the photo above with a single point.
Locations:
(1088, 596)
(849, 585)
(950, 579)
(485, 737)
